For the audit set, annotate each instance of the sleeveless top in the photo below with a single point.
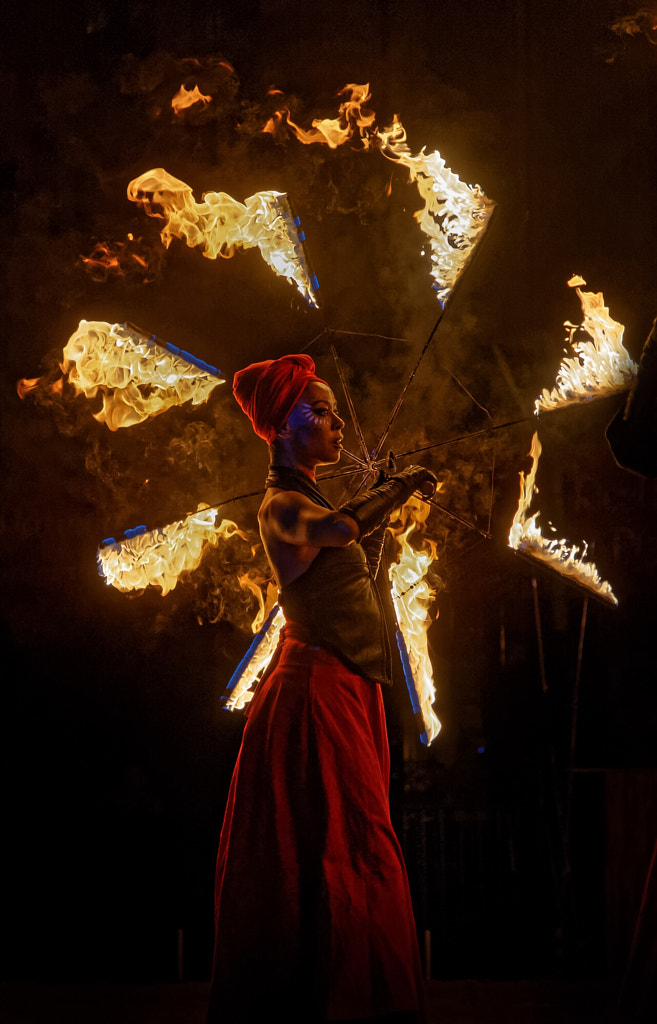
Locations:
(336, 599)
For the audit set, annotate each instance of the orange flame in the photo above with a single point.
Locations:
(186, 98)
(412, 595)
(352, 120)
(222, 224)
(120, 259)
(157, 558)
(602, 366)
(525, 536)
(27, 385)
(136, 377)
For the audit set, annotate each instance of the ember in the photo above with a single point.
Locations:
(136, 376)
(222, 225)
(525, 537)
(601, 367)
(157, 558)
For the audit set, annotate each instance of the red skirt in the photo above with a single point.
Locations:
(313, 911)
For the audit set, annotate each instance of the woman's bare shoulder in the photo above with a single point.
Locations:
(279, 504)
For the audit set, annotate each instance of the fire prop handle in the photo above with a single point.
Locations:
(605, 597)
(411, 687)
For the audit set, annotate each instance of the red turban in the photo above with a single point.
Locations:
(268, 392)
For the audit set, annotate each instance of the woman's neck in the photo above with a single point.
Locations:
(279, 455)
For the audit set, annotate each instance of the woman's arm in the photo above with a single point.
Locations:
(291, 518)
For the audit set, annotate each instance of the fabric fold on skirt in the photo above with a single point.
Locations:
(313, 911)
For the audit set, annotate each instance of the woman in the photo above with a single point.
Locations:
(313, 914)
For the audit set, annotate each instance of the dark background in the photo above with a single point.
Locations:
(538, 796)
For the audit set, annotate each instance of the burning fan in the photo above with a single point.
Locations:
(454, 219)
(601, 365)
(526, 537)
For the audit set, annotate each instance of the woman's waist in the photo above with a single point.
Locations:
(298, 642)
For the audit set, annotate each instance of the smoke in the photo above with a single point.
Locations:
(357, 210)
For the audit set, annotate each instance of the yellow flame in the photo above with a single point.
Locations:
(601, 366)
(455, 215)
(137, 378)
(156, 558)
(222, 225)
(525, 535)
(412, 595)
(266, 598)
(244, 687)
(186, 98)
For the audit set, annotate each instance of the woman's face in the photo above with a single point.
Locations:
(315, 429)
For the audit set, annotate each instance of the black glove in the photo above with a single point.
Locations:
(371, 509)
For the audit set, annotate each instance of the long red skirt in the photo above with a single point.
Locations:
(313, 912)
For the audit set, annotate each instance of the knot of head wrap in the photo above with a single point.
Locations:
(268, 392)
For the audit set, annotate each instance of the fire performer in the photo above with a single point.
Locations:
(313, 912)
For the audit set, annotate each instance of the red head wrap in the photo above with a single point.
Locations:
(268, 392)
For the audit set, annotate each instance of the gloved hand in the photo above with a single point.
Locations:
(372, 508)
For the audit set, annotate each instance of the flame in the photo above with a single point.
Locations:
(602, 366)
(131, 257)
(412, 595)
(643, 21)
(222, 224)
(186, 98)
(455, 214)
(136, 376)
(27, 385)
(352, 120)
(156, 558)
(525, 536)
(266, 598)
(241, 687)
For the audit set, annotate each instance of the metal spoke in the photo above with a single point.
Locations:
(350, 405)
